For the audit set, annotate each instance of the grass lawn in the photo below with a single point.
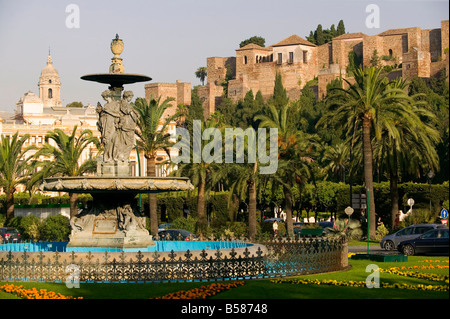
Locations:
(268, 289)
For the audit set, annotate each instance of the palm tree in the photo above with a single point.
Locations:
(366, 105)
(408, 141)
(67, 151)
(245, 185)
(203, 174)
(336, 160)
(295, 153)
(201, 74)
(152, 136)
(15, 167)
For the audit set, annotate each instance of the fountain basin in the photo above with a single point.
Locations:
(116, 184)
(160, 246)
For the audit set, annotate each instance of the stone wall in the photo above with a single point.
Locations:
(255, 68)
(180, 91)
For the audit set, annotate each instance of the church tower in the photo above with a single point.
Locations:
(50, 85)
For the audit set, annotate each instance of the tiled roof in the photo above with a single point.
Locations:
(252, 46)
(398, 31)
(350, 36)
(293, 40)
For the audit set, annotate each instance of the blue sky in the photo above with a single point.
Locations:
(167, 40)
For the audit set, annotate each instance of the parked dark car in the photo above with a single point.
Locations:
(176, 234)
(432, 242)
(390, 242)
(164, 226)
(10, 235)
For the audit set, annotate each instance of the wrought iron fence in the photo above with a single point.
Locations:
(269, 259)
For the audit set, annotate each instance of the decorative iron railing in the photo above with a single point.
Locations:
(268, 259)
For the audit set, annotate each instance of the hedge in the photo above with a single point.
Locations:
(325, 196)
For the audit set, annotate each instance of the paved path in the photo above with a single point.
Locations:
(363, 249)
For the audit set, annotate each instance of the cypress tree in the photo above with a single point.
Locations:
(340, 28)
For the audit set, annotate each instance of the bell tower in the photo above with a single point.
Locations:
(50, 85)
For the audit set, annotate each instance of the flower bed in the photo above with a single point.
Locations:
(360, 284)
(202, 292)
(33, 293)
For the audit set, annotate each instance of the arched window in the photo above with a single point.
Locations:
(50, 81)
(390, 52)
(50, 93)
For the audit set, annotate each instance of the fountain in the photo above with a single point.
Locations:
(109, 241)
(114, 220)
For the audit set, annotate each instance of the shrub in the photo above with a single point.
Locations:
(30, 227)
(419, 216)
(55, 228)
(185, 223)
(381, 232)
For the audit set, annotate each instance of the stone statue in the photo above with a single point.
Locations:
(109, 117)
(117, 123)
(125, 138)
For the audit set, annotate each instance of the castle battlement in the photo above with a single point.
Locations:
(410, 51)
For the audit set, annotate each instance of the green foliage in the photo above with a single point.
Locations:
(30, 227)
(201, 74)
(381, 232)
(75, 104)
(55, 228)
(321, 36)
(345, 228)
(255, 39)
(279, 98)
(185, 223)
(419, 216)
(267, 229)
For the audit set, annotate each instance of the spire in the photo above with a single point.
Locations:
(49, 58)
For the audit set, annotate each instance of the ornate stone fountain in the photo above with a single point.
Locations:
(114, 220)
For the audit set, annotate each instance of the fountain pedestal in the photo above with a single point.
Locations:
(113, 219)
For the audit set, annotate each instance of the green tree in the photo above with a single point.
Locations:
(255, 39)
(368, 105)
(279, 98)
(75, 104)
(295, 153)
(408, 140)
(66, 151)
(340, 28)
(15, 167)
(153, 136)
(201, 73)
(320, 36)
(204, 174)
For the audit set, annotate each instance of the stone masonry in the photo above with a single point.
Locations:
(409, 51)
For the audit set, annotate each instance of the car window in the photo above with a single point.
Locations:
(431, 234)
(405, 231)
(422, 229)
(443, 233)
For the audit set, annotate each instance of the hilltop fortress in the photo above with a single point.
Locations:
(410, 52)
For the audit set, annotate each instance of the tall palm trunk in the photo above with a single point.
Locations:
(9, 203)
(368, 174)
(201, 223)
(73, 202)
(393, 180)
(251, 209)
(153, 214)
(289, 224)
